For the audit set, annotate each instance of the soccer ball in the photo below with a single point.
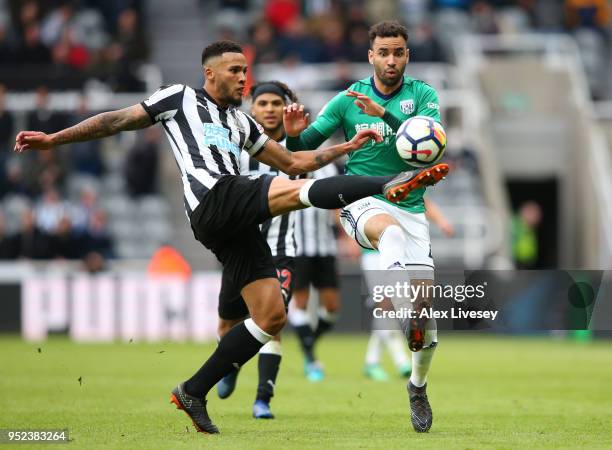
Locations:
(420, 141)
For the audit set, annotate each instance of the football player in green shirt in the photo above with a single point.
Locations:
(399, 231)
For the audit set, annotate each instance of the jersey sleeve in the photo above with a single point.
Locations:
(164, 103)
(428, 104)
(330, 116)
(255, 137)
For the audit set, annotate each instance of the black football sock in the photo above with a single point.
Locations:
(268, 366)
(235, 349)
(307, 340)
(323, 326)
(336, 192)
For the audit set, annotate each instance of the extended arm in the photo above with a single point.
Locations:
(434, 214)
(309, 138)
(96, 127)
(295, 163)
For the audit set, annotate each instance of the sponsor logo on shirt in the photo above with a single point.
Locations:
(384, 129)
(219, 136)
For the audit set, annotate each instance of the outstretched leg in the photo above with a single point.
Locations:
(335, 192)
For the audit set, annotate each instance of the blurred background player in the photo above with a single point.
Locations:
(268, 100)
(400, 232)
(315, 266)
(386, 333)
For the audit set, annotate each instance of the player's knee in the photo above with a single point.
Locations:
(273, 318)
(380, 225)
(330, 299)
(275, 321)
(332, 306)
(393, 233)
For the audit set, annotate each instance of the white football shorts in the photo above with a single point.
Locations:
(414, 225)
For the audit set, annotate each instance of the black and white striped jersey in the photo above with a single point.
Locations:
(314, 227)
(279, 230)
(206, 139)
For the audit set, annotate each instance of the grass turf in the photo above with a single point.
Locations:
(486, 392)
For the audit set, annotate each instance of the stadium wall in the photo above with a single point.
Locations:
(129, 306)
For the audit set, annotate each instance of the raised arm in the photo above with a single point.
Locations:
(295, 163)
(96, 127)
(434, 214)
(300, 135)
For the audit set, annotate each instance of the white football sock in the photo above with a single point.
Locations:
(327, 316)
(304, 193)
(272, 348)
(374, 349)
(396, 345)
(257, 332)
(421, 361)
(298, 317)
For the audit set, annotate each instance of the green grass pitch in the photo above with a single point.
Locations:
(486, 392)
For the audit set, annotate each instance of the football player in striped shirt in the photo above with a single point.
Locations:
(267, 102)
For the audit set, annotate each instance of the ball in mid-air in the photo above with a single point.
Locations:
(420, 141)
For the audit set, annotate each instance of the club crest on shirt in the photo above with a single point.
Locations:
(407, 106)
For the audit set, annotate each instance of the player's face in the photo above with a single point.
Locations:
(228, 73)
(389, 56)
(267, 109)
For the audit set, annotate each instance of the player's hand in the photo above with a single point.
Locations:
(366, 104)
(447, 228)
(32, 140)
(294, 119)
(362, 138)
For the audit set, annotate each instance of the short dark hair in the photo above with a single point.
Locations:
(387, 28)
(217, 48)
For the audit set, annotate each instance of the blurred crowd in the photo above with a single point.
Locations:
(65, 42)
(52, 228)
(325, 31)
(49, 200)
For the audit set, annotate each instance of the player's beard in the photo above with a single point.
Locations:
(228, 96)
(386, 80)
